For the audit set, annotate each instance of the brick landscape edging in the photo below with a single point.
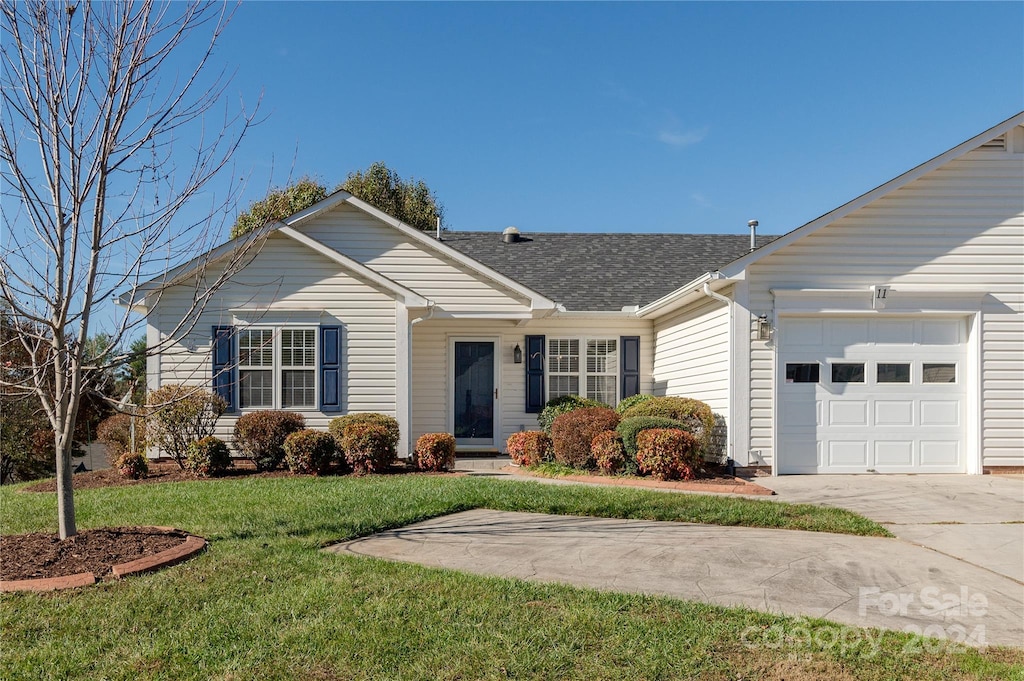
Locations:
(172, 556)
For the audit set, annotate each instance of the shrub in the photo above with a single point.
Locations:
(260, 436)
(608, 452)
(178, 415)
(389, 423)
(574, 432)
(695, 414)
(133, 466)
(668, 453)
(115, 433)
(529, 448)
(563, 405)
(309, 451)
(435, 452)
(715, 451)
(628, 402)
(629, 428)
(368, 447)
(208, 457)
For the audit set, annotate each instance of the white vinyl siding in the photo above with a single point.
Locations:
(430, 401)
(692, 355)
(290, 286)
(449, 284)
(957, 228)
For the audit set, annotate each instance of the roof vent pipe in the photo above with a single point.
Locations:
(510, 235)
(753, 233)
(438, 227)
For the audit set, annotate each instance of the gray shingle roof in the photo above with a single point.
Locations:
(603, 271)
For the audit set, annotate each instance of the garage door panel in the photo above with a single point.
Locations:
(848, 413)
(802, 412)
(889, 453)
(843, 333)
(804, 454)
(940, 413)
(941, 332)
(941, 453)
(894, 412)
(893, 331)
(803, 333)
(848, 453)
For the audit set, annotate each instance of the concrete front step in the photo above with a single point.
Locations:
(481, 463)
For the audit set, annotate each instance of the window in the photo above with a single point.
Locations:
(277, 370)
(597, 373)
(848, 373)
(802, 373)
(938, 373)
(893, 373)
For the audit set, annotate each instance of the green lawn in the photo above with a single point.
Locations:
(263, 602)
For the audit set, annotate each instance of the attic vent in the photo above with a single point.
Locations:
(997, 144)
(511, 235)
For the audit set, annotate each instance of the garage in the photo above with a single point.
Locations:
(871, 394)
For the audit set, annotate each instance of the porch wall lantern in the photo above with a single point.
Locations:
(517, 354)
(764, 328)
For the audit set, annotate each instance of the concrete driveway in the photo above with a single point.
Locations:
(978, 519)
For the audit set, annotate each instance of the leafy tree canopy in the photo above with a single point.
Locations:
(410, 201)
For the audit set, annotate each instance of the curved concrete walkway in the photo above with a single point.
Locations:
(861, 581)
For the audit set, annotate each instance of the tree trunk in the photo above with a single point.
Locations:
(65, 493)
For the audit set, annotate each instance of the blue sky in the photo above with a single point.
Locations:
(661, 117)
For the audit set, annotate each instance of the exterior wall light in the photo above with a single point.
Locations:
(764, 328)
(517, 354)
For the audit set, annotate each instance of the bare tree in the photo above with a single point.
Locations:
(98, 101)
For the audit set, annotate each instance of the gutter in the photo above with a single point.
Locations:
(706, 290)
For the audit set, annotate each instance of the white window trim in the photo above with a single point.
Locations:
(583, 374)
(277, 368)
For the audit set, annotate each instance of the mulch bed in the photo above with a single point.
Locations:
(159, 471)
(711, 482)
(40, 555)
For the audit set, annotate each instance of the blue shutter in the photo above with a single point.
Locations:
(330, 368)
(534, 374)
(225, 369)
(629, 374)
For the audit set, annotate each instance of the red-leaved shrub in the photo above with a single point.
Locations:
(260, 436)
(435, 452)
(367, 447)
(574, 432)
(309, 451)
(668, 453)
(133, 465)
(530, 447)
(697, 415)
(608, 452)
(208, 457)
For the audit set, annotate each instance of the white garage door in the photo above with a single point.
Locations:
(860, 395)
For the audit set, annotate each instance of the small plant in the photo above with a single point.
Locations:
(133, 465)
(389, 423)
(630, 401)
(630, 427)
(178, 415)
(309, 451)
(115, 433)
(260, 436)
(668, 454)
(563, 405)
(208, 457)
(697, 416)
(574, 432)
(608, 452)
(367, 447)
(530, 448)
(716, 450)
(435, 452)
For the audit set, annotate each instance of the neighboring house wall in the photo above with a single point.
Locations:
(691, 354)
(430, 364)
(957, 228)
(288, 284)
(383, 248)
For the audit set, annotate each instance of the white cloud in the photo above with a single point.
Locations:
(682, 138)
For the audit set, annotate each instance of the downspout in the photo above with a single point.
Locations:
(731, 460)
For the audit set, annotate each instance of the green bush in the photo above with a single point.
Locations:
(563, 405)
(629, 428)
(208, 457)
(260, 436)
(716, 449)
(368, 447)
(697, 416)
(530, 447)
(178, 415)
(115, 433)
(668, 454)
(574, 432)
(309, 451)
(608, 452)
(628, 402)
(435, 452)
(389, 423)
(133, 465)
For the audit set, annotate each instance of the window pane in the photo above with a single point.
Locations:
(938, 373)
(601, 388)
(802, 373)
(298, 389)
(297, 348)
(255, 389)
(601, 358)
(893, 373)
(847, 373)
(256, 348)
(560, 386)
(563, 355)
